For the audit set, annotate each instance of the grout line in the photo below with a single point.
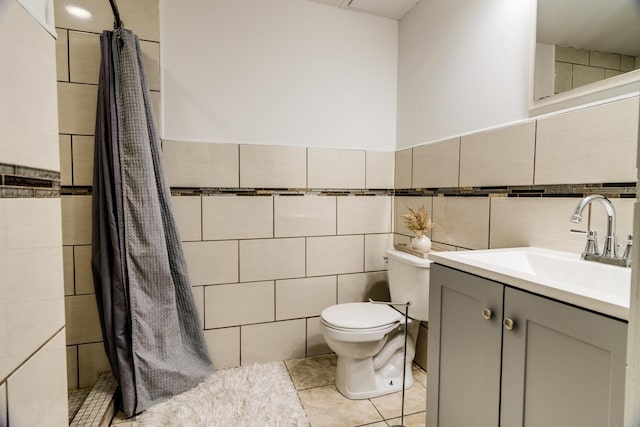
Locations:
(68, 57)
(306, 339)
(535, 151)
(364, 253)
(238, 250)
(306, 158)
(240, 345)
(489, 226)
(239, 167)
(411, 177)
(36, 351)
(366, 155)
(73, 270)
(5, 416)
(459, 159)
(77, 350)
(204, 310)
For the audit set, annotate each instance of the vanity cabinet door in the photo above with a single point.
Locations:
(463, 360)
(562, 366)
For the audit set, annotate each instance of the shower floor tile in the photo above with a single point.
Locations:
(76, 399)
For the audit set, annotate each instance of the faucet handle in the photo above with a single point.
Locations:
(627, 249)
(591, 248)
(592, 243)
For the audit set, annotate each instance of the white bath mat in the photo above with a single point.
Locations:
(249, 396)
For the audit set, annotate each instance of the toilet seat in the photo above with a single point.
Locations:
(360, 316)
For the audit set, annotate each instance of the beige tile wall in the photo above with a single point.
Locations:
(273, 167)
(28, 112)
(190, 164)
(78, 60)
(36, 388)
(31, 304)
(92, 361)
(404, 168)
(379, 169)
(436, 165)
(503, 156)
(232, 217)
(308, 215)
(228, 338)
(461, 221)
(262, 266)
(268, 264)
(33, 380)
(547, 222)
(578, 67)
(266, 342)
(596, 144)
(3, 404)
(329, 168)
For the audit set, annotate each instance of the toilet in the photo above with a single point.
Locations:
(369, 338)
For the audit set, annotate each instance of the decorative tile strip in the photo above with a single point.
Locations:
(75, 191)
(277, 191)
(611, 190)
(26, 182)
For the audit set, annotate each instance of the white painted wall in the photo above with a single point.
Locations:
(285, 72)
(463, 67)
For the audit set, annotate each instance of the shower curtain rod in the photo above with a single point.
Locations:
(117, 23)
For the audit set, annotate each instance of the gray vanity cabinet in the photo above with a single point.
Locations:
(558, 366)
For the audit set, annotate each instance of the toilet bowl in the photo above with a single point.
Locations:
(369, 338)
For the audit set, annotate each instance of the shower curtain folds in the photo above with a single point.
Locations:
(152, 334)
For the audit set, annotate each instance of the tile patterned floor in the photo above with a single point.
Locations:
(98, 404)
(76, 399)
(314, 377)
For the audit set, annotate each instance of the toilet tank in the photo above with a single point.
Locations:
(409, 281)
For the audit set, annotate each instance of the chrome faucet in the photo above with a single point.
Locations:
(609, 253)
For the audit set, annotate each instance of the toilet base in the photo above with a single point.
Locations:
(354, 379)
(381, 374)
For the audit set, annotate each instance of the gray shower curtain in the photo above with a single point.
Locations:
(152, 335)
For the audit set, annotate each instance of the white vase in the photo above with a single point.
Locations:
(421, 243)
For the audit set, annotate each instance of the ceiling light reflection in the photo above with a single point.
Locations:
(78, 12)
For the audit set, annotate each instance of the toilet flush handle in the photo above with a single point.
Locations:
(386, 259)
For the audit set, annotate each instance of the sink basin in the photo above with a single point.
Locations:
(559, 275)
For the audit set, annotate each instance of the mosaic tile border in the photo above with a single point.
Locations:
(18, 181)
(209, 191)
(619, 190)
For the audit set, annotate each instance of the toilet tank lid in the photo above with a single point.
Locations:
(360, 315)
(408, 258)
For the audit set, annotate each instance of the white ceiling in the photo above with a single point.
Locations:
(604, 25)
(394, 9)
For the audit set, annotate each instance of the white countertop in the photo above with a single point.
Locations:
(559, 275)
